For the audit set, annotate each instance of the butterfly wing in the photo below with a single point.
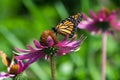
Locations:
(68, 26)
(5, 58)
(65, 28)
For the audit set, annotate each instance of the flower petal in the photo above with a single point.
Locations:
(50, 41)
(86, 17)
(71, 46)
(65, 38)
(115, 25)
(4, 75)
(46, 57)
(27, 56)
(93, 15)
(87, 25)
(63, 50)
(30, 61)
(37, 44)
(21, 65)
(102, 15)
(63, 41)
(112, 16)
(30, 47)
(73, 38)
(20, 50)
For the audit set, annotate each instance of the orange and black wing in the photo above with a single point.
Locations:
(5, 58)
(68, 26)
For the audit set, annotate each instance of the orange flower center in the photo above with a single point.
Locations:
(44, 36)
(14, 69)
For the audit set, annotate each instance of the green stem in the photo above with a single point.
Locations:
(104, 44)
(52, 64)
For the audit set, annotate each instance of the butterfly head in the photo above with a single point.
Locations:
(55, 30)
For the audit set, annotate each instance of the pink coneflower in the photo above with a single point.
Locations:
(103, 21)
(13, 68)
(49, 45)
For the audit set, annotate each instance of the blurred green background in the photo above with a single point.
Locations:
(21, 21)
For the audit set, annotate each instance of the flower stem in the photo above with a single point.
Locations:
(52, 63)
(104, 44)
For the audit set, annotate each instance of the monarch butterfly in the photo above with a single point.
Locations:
(68, 26)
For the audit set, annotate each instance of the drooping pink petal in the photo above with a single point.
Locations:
(47, 57)
(82, 38)
(4, 75)
(37, 44)
(30, 47)
(93, 15)
(112, 16)
(39, 56)
(115, 25)
(89, 24)
(50, 41)
(83, 25)
(27, 56)
(20, 50)
(86, 17)
(102, 15)
(73, 38)
(73, 43)
(63, 41)
(30, 61)
(63, 51)
(86, 24)
(21, 65)
(66, 49)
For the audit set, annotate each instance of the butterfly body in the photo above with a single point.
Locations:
(68, 26)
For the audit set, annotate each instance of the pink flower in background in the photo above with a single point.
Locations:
(48, 45)
(101, 22)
